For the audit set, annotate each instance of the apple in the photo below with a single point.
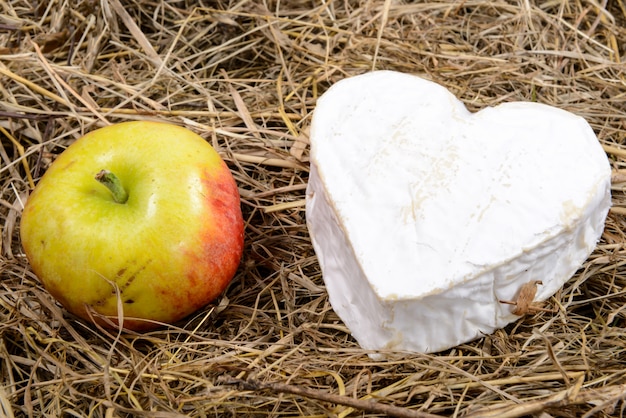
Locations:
(138, 220)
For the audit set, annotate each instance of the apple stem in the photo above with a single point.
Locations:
(111, 182)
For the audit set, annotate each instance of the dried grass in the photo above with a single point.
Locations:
(245, 75)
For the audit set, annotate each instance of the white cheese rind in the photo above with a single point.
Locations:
(423, 215)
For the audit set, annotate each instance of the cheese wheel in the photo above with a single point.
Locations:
(425, 216)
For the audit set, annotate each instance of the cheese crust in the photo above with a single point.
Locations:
(424, 215)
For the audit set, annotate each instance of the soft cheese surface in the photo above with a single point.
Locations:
(424, 215)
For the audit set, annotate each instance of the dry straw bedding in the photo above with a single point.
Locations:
(245, 75)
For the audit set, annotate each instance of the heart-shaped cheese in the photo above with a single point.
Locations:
(425, 216)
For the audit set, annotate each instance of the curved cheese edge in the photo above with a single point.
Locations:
(462, 311)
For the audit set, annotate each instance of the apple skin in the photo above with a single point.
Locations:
(171, 249)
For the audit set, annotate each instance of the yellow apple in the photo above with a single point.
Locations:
(141, 219)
